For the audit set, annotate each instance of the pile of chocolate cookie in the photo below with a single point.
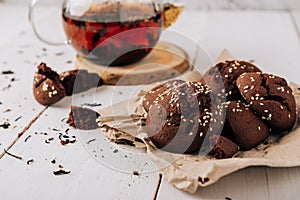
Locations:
(49, 87)
(234, 107)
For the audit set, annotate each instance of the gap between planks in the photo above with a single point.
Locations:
(158, 186)
(23, 131)
(268, 184)
(297, 28)
(195, 58)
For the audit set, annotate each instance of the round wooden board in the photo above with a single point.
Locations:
(165, 61)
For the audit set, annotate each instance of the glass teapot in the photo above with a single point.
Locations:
(114, 32)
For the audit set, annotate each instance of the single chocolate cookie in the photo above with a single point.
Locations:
(83, 118)
(246, 129)
(76, 81)
(270, 98)
(181, 116)
(47, 88)
(229, 71)
(222, 147)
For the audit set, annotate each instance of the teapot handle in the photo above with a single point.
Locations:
(38, 35)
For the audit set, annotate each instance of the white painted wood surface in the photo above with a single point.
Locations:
(268, 37)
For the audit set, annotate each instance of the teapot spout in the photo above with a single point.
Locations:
(171, 13)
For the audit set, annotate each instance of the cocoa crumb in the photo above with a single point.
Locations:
(29, 162)
(7, 87)
(61, 172)
(5, 125)
(27, 138)
(17, 119)
(7, 72)
(83, 118)
(92, 140)
(66, 139)
(59, 53)
(201, 180)
(49, 140)
(116, 151)
(136, 173)
(92, 104)
(63, 119)
(7, 110)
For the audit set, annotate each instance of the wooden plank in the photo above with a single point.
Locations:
(295, 15)
(20, 53)
(245, 184)
(285, 182)
(271, 40)
(94, 171)
(250, 183)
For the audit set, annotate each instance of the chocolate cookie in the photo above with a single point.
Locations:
(182, 115)
(222, 147)
(153, 94)
(270, 98)
(246, 129)
(76, 81)
(229, 71)
(47, 88)
(83, 118)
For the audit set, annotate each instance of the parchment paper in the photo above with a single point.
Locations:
(123, 122)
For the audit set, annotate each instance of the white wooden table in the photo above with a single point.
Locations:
(270, 38)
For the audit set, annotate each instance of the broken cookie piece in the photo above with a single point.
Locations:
(76, 81)
(47, 88)
(83, 118)
(222, 148)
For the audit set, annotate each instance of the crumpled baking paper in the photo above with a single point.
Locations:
(124, 122)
